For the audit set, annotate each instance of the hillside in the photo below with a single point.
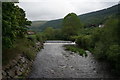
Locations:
(87, 19)
(98, 17)
(36, 25)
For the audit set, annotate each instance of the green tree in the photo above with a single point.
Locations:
(71, 25)
(49, 33)
(13, 23)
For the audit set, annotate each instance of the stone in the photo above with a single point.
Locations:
(72, 53)
(66, 56)
(18, 72)
(71, 67)
(11, 65)
(95, 71)
(7, 67)
(24, 66)
(12, 73)
(7, 73)
(4, 73)
(93, 68)
(14, 61)
(17, 68)
(23, 59)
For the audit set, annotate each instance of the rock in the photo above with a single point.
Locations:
(18, 72)
(67, 56)
(12, 64)
(95, 71)
(22, 70)
(12, 73)
(93, 68)
(23, 60)
(7, 67)
(78, 69)
(17, 68)
(71, 67)
(7, 73)
(14, 61)
(72, 53)
(23, 66)
(4, 73)
(52, 71)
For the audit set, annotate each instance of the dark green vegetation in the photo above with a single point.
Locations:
(35, 24)
(76, 49)
(103, 42)
(71, 25)
(14, 24)
(54, 24)
(21, 46)
(88, 19)
(14, 34)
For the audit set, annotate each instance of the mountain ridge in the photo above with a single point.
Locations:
(96, 17)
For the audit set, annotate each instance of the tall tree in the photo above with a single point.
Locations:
(13, 23)
(71, 25)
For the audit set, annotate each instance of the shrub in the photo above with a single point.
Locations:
(76, 49)
(113, 56)
(39, 37)
(99, 51)
(85, 41)
(79, 40)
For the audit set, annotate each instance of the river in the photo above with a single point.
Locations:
(54, 62)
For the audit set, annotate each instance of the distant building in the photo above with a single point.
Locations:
(101, 25)
(31, 32)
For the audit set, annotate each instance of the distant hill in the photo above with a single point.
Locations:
(96, 18)
(35, 26)
(100, 16)
(53, 23)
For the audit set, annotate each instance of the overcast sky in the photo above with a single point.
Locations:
(55, 9)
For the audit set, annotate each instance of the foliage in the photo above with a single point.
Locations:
(52, 34)
(113, 54)
(84, 41)
(35, 26)
(103, 42)
(76, 50)
(71, 25)
(96, 18)
(14, 23)
(20, 46)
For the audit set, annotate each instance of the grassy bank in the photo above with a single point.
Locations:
(75, 49)
(23, 46)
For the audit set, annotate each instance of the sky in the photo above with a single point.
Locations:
(56, 9)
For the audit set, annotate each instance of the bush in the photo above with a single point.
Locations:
(114, 53)
(113, 56)
(39, 37)
(32, 38)
(76, 50)
(20, 46)
(79, 40)
(85, 41)
(99, 51)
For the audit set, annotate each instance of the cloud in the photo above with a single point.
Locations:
(55, 9)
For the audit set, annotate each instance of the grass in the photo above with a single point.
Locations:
(21, 46)
(75, 49)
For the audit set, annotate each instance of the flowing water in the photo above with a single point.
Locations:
(54, 62)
